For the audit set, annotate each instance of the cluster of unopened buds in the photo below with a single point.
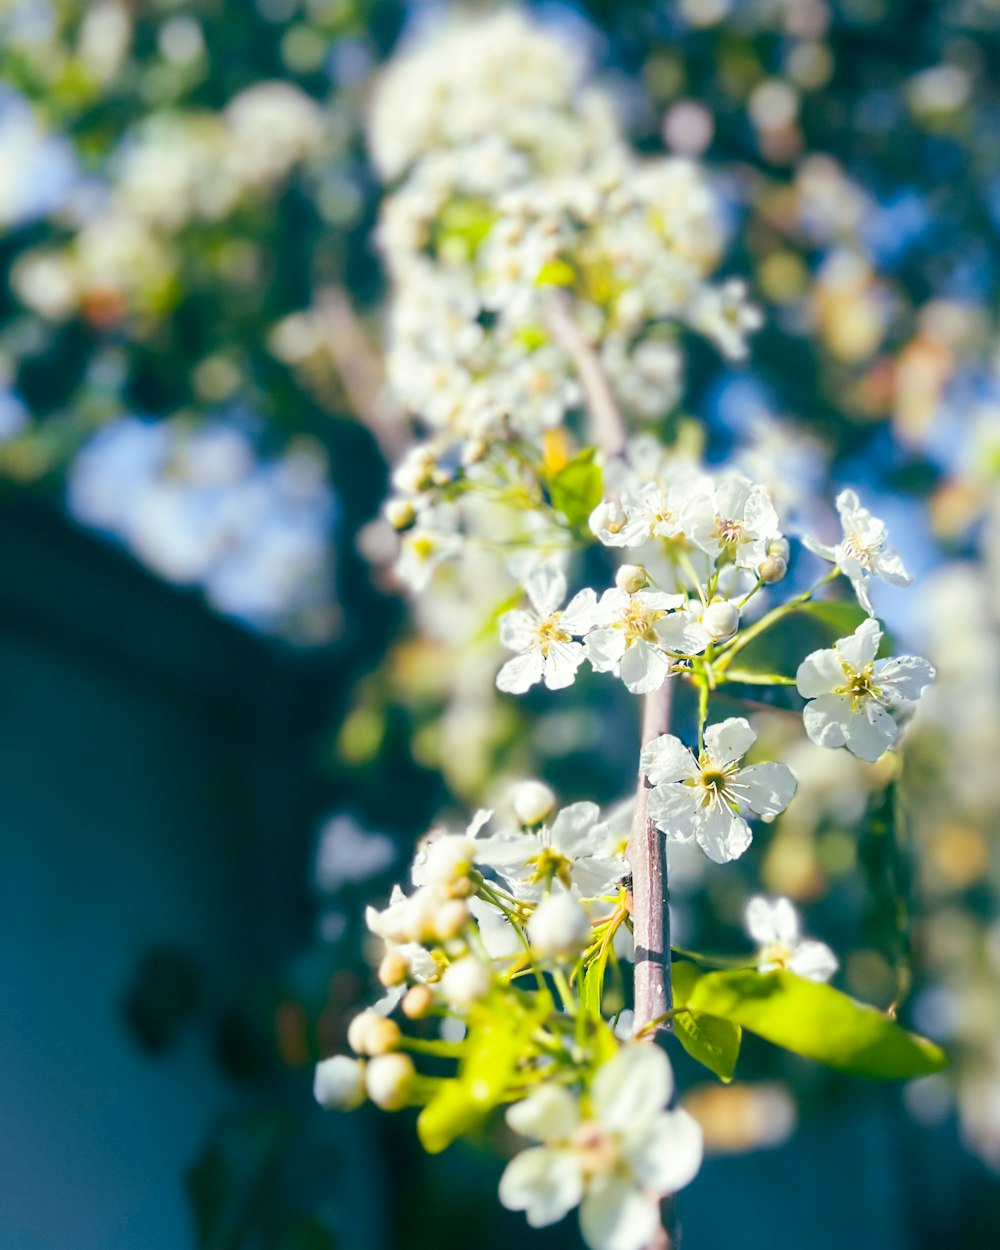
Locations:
(517, 282)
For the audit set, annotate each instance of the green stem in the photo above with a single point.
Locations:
(730, 649)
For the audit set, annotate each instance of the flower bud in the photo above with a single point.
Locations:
(779, 547)
(465, 982)
(450, 919)
(721, 620)
(533, 801)
(394, 969)
(559, 926)
(609, 516)
(400, 513)
(415, 472)
(372, 1034)
(631, 578)
(772, 569)
(475, 449)
(447, 862)
(388, 1080)
(339, 1083)
(417, 1002)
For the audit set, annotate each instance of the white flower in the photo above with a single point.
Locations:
(739, 524)
(629, 637)
(544, 638)
(774, 926)
(559, 926)
(649, 510)
(724, 315)
(615, 1154)
(704, 799)
(575, 850)
(465, 982)
(388, 1079)
(864, 551)
(849, 691)
(339, 1084)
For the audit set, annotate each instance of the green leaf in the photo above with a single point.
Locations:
(711, 1040)
(818, 1022)
(577, 488)
(593, 981)
(780, 649)
(556, 273)
(499, 1035)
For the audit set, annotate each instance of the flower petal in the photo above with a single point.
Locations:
(543, 1183)
(561, 663)
(675, 811)
(860, 648)
(545, 586)
(767, 788)
(668, 1154)
(871, 732)
(819, 673)
(578, 830)
(730, 739)
(632, 1087)
(518, 629)
(644, 667)
(721, 834)
(904, 677)
(551, 1113)
(579, 614)
(772, 920)
(617, 1216)
(814, 961)
(605, 648)
(521, 673)
(667, 759)
(826, 719)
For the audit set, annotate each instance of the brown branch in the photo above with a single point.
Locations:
(647, 857)
(606, 422)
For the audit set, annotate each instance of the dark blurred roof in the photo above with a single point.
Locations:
(74, 592)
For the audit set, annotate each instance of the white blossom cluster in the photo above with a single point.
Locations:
(522, 217)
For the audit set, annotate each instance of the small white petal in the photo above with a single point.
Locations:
(617, 1216)
(860, 648)
(904, 677)
(826, 719)
(667, 759)
(579, 614)
(551, 1113)
(561, 663)
(767, 788)
(760, 920)
(545, 586)
(668, 1154)
(644, 668)
(819, 673)
(517, 630)
(521, 673)
(730, 739)
(542, 1183)
(870, 732)
(605, 648)
(814, 961)
(721, 834)
(889, 566)
(578, 830)
(632, 1086)
(675, 810)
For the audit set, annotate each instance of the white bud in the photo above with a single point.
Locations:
(339, 1083)
(721, 620)
(415, 472)
(394, 969)
(779, 547)
(449, 920)
(417, 1002)
(474, 451)
(772, 569)
(631, 578)
(447, 861)
(372, 1034)
(388, 1080)
(465, 982)
(559, 926)
(400, 513)
(609, 516)
(533, 801)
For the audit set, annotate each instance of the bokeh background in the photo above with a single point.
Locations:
(222, 731)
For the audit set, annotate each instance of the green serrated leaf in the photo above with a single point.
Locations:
(593, 981)
(499, 1034)
(577, 488)
(818, 1022)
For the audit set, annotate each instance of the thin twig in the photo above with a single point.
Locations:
(606, 422)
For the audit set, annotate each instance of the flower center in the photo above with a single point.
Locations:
(857, 550)
(548, 865)
(775, 953)
(731, 532)
(639, 622)
(597, 1150)
(549, 632)
(860, 685)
